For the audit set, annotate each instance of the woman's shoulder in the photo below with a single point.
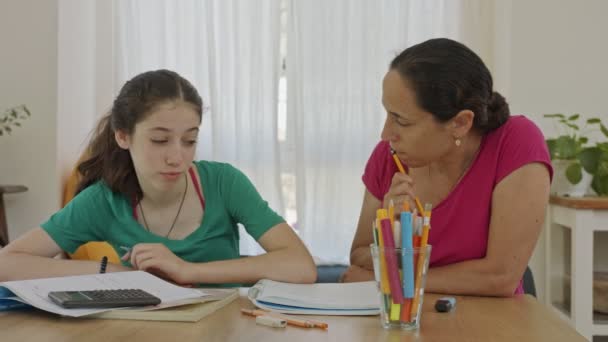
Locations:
(517, 125)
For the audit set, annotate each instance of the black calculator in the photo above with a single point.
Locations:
(103, 298)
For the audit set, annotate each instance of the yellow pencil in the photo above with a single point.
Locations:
(381, 214)
(402, 170)
(397, 161)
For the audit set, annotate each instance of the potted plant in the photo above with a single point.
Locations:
(577, 164)
(12, 117)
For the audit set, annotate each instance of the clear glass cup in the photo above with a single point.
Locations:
(400, 309)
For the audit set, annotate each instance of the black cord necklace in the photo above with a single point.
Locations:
(141, 208)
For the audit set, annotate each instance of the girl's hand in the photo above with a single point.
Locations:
(355, 273)
(401, 190)
(157, 259)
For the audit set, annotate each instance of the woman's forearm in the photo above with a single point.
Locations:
(280, 265)
(472, 277)
(21, 266)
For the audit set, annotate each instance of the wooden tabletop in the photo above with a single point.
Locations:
(580, 202)
(520, 319)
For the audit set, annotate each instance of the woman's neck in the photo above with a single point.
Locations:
(459, 159)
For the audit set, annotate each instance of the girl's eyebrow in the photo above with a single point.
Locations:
(165, 129)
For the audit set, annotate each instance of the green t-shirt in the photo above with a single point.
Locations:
(98, 214)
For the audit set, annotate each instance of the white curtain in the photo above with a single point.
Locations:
(230, 51)
(338, 52)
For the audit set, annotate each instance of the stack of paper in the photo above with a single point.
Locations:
(34, 292)
(317, 299)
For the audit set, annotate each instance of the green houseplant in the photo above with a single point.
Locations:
(12, 118)
(572, 150)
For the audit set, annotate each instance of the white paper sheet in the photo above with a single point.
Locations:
(35, 291)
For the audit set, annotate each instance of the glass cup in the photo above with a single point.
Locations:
(400, 308)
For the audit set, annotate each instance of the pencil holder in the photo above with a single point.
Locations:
(401, 276)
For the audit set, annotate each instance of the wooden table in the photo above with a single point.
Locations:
(6, 189)
(520, 319)
(582, 217)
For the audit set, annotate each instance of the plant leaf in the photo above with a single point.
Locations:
(583, 140)
(590, 158)
(554, 116)
(551, 145)
(604, 130)
(573, 117)
(14, 113)
(599, 184)
(573, 126)
(593, 121)
(574, 173)
(566, 147)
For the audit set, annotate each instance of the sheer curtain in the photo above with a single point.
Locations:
(230, 51)
(338, 52)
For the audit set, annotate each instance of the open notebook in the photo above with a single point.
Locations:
(186, 304)
(317, 299)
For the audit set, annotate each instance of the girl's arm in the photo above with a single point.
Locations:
(287, 260)
(31, 256)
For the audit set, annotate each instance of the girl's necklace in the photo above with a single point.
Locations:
(143, 216)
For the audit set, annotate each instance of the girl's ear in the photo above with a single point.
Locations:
(122, 139)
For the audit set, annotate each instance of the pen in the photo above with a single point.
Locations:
(303, 323)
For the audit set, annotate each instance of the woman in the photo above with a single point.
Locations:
(162, 212)
(486, 173)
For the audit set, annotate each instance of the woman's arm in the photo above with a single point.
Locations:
(519, 202)
(360, 254)
(31, 256)
(286, 259)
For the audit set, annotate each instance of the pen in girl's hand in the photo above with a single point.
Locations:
(127, 252)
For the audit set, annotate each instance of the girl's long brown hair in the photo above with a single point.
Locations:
(107, 161)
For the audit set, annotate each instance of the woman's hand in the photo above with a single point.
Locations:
(157, 259)
(401, 190)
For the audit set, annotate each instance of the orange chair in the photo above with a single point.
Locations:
(92, 250)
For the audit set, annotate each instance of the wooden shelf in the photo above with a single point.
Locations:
(580, 202)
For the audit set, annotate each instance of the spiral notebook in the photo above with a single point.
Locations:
(349, 299)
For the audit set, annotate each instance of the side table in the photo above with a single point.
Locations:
(6, 189)
(582, 217)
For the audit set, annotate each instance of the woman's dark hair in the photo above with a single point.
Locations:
(105, 160)
(448, 77)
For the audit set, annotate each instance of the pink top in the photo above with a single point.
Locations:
(457, 232)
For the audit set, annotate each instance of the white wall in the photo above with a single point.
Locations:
(57, 59)
(28, 75)
(556, 63)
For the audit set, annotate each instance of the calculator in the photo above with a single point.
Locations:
(103, 298)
